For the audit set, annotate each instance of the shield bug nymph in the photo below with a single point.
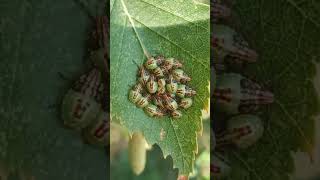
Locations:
(158, 72)
(152, 85)
(135, 93)
(180, 76)
(169, 64)
(161, 86)
(81, 104)
(143, 75)
(78, 110)
(170, 103)
(190, 92)
(84, 102)
(185, 103)
(153, 110)
(172, 63)
(151, 63)
(98, 131)
(154, 62)
(160, 60)
(172, 85)
(181, 91)
(219, 168)
(90, 84)
(176, 114)
(99, 56)
(144, 101)
(242, 130)
(158, 101)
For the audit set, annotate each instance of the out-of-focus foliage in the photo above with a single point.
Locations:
(157, 167)
(38, 40)
(285, 33)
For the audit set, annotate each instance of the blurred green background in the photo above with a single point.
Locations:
(157, 168)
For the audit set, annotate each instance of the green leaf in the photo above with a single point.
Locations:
(286, 35)
(172, 28)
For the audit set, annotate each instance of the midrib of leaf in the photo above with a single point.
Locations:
(134, 29)
(301, 11)
(132, 19)
(175, 44)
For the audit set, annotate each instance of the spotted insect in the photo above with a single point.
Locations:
(236, 94)
(180, 76)
(219, 11)
(219, 167)
(151, 63)
(172, 85)
(80, 105)
(98, 131)
(153, 110)
(100, 35)
(135, 93)
(143, 75)
(170, 103)
(152, 85)
(176, 114)
(172, 63)
(154, 62)
(185, 103)
(158, 72)
(181, 90)
(160, 60)
(242, 130)
(161, 86)
(184, 90)
(158, 101)
(144, 101)
(190, 92)
(227, 42)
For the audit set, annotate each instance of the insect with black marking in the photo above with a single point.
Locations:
(85, 105)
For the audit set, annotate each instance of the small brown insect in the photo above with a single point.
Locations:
(152, 85)
(143, 75)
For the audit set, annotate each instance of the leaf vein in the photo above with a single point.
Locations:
(180, 148)
(292, 3)
(164, 10)
(172, 42)
(134, 29)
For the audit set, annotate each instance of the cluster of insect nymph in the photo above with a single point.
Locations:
(161, 88)
(235, 98)
(85, 106)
